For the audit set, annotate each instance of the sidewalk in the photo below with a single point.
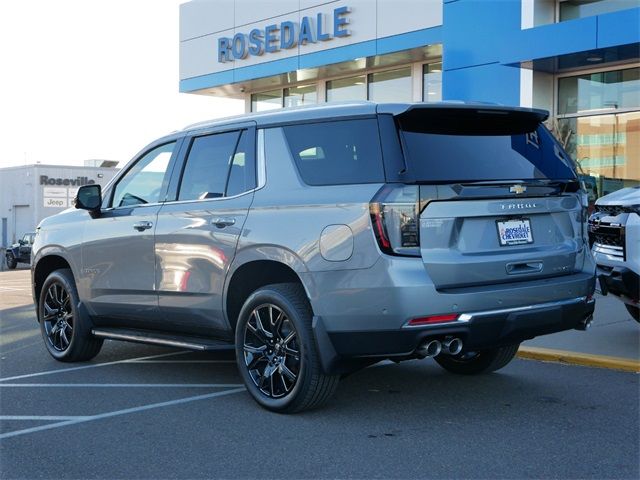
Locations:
(613, 333)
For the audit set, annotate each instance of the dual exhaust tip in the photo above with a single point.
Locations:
(433, 348)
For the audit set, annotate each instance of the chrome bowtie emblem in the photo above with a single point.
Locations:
(518, 189)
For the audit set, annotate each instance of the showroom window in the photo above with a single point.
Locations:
(432, 82)
(572, 9)
(289, 97)
(345, 89)
(390, 86)
(387, 86)
(261, 102)
(599, 124)
(301, 95)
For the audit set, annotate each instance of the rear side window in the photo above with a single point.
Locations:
(219, 165)
(336, 153)
(242, 175)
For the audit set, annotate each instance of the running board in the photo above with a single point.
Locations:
(164, 339)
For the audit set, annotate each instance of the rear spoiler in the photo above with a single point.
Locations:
(464, 118)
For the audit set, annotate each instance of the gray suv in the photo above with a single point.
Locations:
(316, 241)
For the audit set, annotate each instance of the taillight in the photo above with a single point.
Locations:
(395, 217)
(433, 319)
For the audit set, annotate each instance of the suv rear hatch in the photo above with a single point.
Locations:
(498, 199)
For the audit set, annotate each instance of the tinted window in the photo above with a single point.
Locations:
(242, 176)
(335, 153)
(525, 156)
(143, 182)
(205, 174)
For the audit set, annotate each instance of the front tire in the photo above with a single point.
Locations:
(65, 330)
(474, 363)
(12, 263)
(634, 312)
(276, 352)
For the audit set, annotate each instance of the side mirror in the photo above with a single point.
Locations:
(21, 242)
(89, 198)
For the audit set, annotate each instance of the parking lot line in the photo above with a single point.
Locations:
(116, 413)
(120, 385)
(93, 365)
(183, 361)
(42, 417)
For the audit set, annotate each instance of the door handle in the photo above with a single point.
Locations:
(222, 222)
(141, 226)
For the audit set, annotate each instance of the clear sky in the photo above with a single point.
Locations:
(92, 79)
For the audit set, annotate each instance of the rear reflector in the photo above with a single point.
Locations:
(434, 319)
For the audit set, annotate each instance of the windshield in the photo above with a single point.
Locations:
(482, 150)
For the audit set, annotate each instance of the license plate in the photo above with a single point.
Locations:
(514, 232)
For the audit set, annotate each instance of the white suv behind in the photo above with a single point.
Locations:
(614, 234)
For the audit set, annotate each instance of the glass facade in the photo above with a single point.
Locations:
(390, 86)
(344, 89)
(596, 91)
(432, 82)
(599, 124)
(301, 95)
(261, 102)
(572, 9)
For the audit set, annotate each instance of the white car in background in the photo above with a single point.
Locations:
(614, 235)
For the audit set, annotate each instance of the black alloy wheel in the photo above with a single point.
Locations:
(64, 323)
(276, 351)
(271, 350)
(57, 316)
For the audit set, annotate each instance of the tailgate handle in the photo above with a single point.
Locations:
(524, 267)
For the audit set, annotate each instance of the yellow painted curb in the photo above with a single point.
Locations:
(576, 358)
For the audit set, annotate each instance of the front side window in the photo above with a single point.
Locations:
(336, 153)
(205, 174)
(142, 184)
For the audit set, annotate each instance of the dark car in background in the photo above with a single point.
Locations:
(20, 252)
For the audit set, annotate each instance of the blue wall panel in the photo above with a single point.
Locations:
(475, 30)
(619, 28)
(550, 40)
(484, 83)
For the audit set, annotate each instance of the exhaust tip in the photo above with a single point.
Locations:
(453, 346)
(430, 348)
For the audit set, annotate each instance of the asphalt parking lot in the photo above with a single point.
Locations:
(144, 412)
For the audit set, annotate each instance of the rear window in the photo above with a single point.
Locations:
(336, 153)
(483, 150)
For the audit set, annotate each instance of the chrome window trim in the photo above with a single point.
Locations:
(261, 164)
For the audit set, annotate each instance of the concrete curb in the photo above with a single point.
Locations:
(576, 358)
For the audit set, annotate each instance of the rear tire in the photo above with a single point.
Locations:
(12, 263)
(276, 351)
(634, 312)
(66, 331)
(474, 363)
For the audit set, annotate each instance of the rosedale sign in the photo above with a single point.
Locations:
(284, 36)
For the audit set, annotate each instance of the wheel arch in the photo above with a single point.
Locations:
(257, 268)
(46, 263)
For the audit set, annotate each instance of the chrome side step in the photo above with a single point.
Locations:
(164, 339)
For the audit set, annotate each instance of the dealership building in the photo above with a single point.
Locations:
(30, 193)
(579, 59)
